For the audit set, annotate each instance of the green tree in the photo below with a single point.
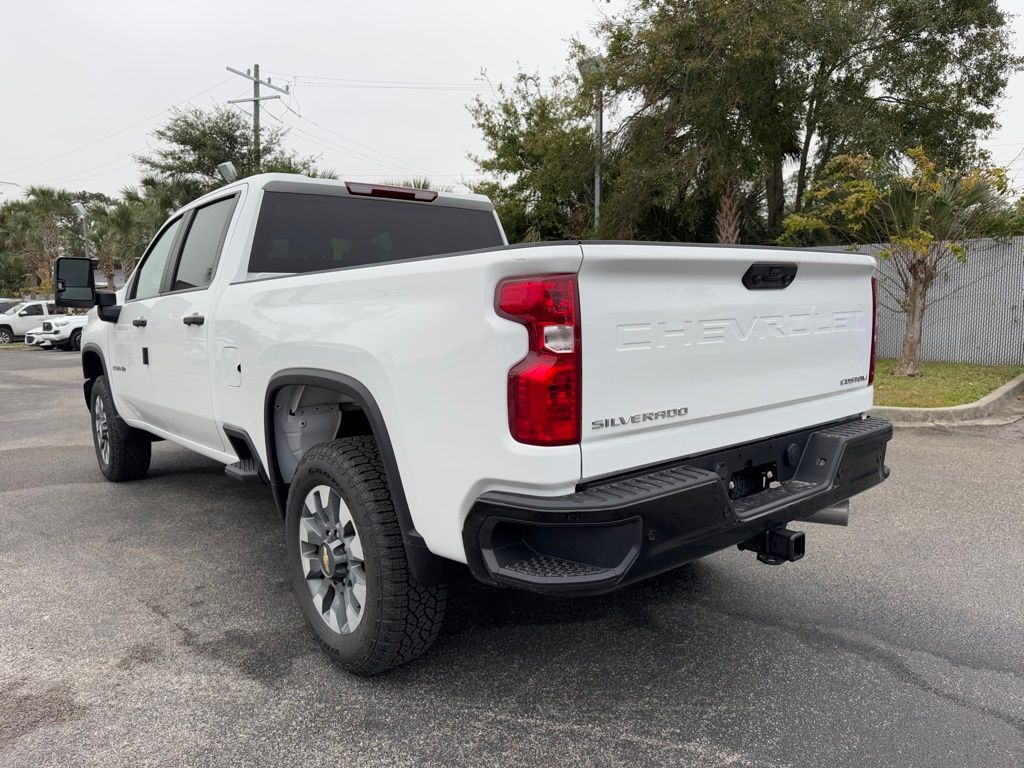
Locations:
(40, 228)
(12, 274)
(711, 99)
(727, 91)
(924, 216)
(194, 142)
(710, 104)
(540, 157)
(877, 76)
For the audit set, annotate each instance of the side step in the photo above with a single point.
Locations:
(549, 567)
(245, 471)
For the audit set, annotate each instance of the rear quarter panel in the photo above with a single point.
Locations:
(423, 338)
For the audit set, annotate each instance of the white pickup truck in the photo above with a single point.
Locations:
(23, 317)
(566, 418)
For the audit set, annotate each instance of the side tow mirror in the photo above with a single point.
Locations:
(108, 308)
(74, 282)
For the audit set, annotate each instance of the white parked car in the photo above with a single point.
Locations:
(64, 331)
(564, 418)
(23, 317)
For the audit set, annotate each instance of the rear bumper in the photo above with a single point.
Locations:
(619, 530)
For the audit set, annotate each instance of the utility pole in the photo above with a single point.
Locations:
(254, 75)
(592, 68)
(256, 115)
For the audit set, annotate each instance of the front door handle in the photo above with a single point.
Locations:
(139, 322)
(193, 320)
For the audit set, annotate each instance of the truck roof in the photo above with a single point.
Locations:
(297, 183)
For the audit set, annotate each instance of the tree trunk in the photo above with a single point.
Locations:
(801, 174)
(727, 222)
(805, 150)
(33, 288)
(110, 279)
(775, 196)
(910, 352)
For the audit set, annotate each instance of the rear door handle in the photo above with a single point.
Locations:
(139, 322)
(193, 320)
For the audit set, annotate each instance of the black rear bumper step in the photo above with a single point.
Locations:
(622, 529)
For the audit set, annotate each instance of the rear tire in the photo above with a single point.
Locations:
(6, 337)
(75, 345)
(122, 452)
(340, 512)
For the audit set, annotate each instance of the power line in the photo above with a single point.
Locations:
(458, 89)
(350, 140)
(118, 132)
(323, 143)
(93, 168)
(369, 83)
(66, 181)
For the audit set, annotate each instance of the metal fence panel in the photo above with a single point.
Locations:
(979, 315)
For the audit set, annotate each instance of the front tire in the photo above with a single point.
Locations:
(6, 337)
(348, 562)
(122, 452)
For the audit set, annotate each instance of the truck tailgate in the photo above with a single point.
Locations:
(680, 357)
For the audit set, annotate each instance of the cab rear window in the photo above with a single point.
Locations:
(305, 233)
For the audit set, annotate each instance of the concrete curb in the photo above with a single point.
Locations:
(980, 409)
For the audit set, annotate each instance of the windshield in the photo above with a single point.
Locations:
(16, 308)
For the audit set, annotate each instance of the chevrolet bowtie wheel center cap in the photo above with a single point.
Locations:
(333, 559)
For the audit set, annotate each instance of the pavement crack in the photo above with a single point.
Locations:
(885, 655)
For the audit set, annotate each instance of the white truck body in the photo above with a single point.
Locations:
(678, 358)
(63, 331)
(22, 318)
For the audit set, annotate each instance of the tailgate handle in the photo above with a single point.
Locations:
(769, 277)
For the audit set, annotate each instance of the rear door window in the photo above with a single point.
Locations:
(305, 233)
(199, 254)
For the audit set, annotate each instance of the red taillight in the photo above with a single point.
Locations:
(874, 329)
(544, 387)
(395, 193)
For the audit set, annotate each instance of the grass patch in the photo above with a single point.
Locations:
(940, 385)
(13, 345)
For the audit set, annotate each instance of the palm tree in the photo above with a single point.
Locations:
(20, 234)
(49, 210)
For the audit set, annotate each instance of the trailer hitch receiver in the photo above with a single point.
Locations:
(776, 546)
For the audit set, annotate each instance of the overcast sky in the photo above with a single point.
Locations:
(382, 87)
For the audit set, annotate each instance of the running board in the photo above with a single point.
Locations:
(245, 471)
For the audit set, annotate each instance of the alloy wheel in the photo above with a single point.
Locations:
(332, 559)
(102, 426)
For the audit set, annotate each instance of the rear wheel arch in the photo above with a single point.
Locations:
(93, 366)
(362, 416)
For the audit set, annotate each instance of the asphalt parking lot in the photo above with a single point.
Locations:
(151, 623)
